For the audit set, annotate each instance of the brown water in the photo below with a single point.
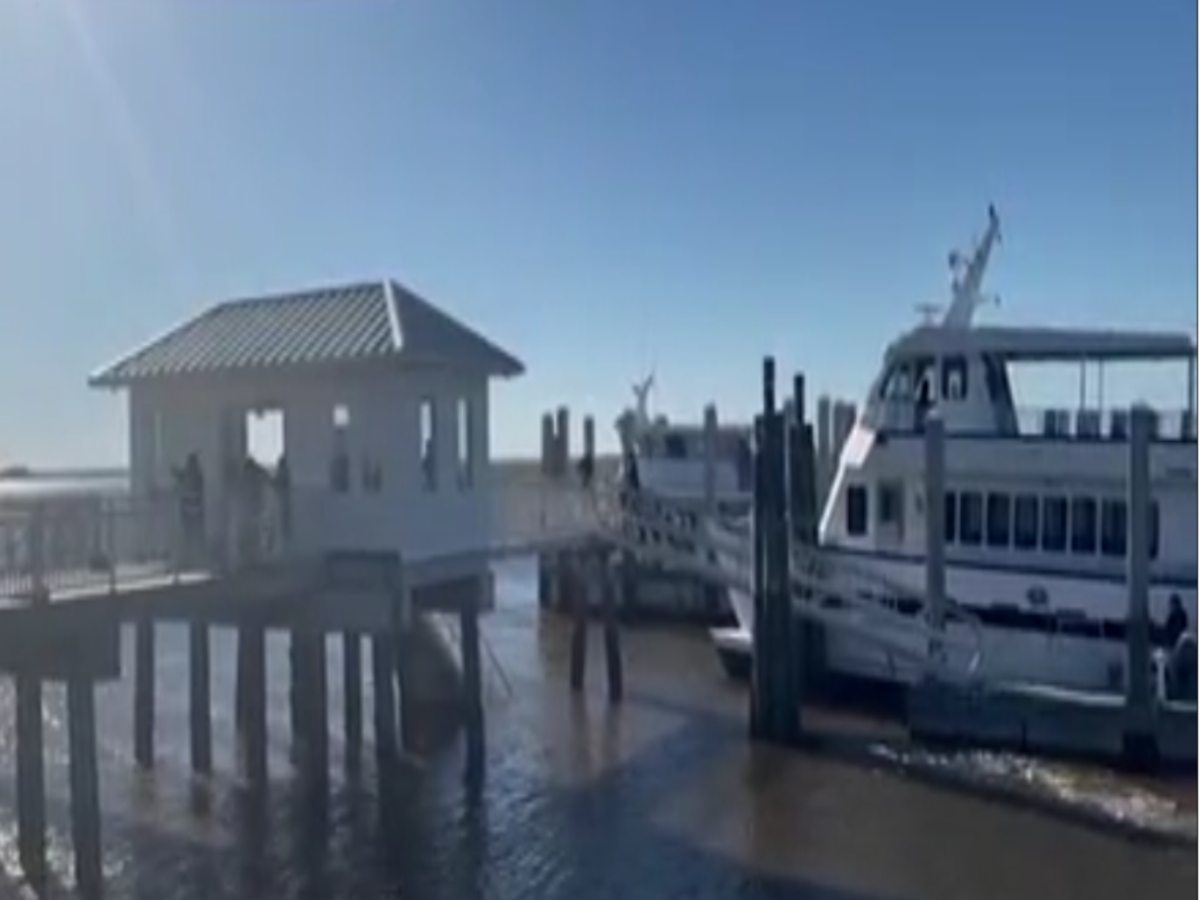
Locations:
(661, 797)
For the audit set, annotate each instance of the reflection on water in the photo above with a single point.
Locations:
(661, 797)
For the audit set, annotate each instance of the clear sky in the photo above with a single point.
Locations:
(601, 187)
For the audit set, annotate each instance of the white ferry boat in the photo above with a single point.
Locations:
(1035, 508)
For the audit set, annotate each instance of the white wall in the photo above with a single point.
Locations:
(384, 428)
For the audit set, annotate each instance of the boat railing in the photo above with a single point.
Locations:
(1101, 424)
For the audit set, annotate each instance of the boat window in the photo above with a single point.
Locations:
(1153, 530)
(970, 518)
(1083, 525)
(466, 463)
(1113, 516)
(1054, 524)
(339, 465)
(891, 501)
(856, 509)
(950, 516)
(998, 510)
(1025, 521)
(925, 381)
(897, 385)
(954, 378)
(428, 417)
(675, 446)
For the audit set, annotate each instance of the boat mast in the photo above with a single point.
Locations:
(967, 278)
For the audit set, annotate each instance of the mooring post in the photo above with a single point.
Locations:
(352, 697)
(588, 462)
(935, 531)
(578, 584)
(383, 670)
(824, 464)
(1139, 744)
(85, 786)
(199, 705)
(31, 780)
(468, 632)
(758, 671)
(143, 693)
(785, 708)
(710, 460)
(318, 713)
(612, 631)
(562, 442)
(253, 681)
(546, 578)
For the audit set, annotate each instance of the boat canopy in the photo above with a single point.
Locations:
(1041, 344)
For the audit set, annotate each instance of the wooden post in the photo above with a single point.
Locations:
(546, 577)
(85, 786)
(785, 707)
(589, 445)
(318, 712)
(200, 707)
(710, 460)
(562, 442)
(935, 529)
(468, 632)
(383, 670)
(352, 697)
(824, 463)
(1139, 744)
(578, 590)
(143, 693)
(758, 671)
(31, 781)
(253, 681)
(612, 633)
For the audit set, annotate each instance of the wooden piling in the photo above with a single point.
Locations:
(143, 693)
(318, 713)
(935, 528)
(758, 671)
(31, 780)
(1139, 744)
(546, 577)
(562, 442)
(578, 585)
(825, 463)
(252, 679)
(199, 700)
(85, 786)
(352, 697)
(383, 670)
(472, 673)
(612, 633)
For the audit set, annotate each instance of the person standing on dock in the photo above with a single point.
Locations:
(283, 495)
(189, 483)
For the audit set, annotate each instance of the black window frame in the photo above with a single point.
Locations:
(1084, 525)
(950, 516)
(968, 536)
(891, 498)
(1022, 537)
(1114, 527)
(1055, 540)
(951, 364)
(997, 526)
(857, 510)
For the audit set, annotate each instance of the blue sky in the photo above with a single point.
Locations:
(601, 187)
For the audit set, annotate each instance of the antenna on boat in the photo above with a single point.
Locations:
(641, 391)
(928, 312)
(966, 276)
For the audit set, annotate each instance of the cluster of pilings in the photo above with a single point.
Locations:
(383, 617)
(785, 510)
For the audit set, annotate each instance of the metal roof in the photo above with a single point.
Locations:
(1046, 344)
(353, 323)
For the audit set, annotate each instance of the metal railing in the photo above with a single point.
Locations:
(61, 544)
(1101, 424)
